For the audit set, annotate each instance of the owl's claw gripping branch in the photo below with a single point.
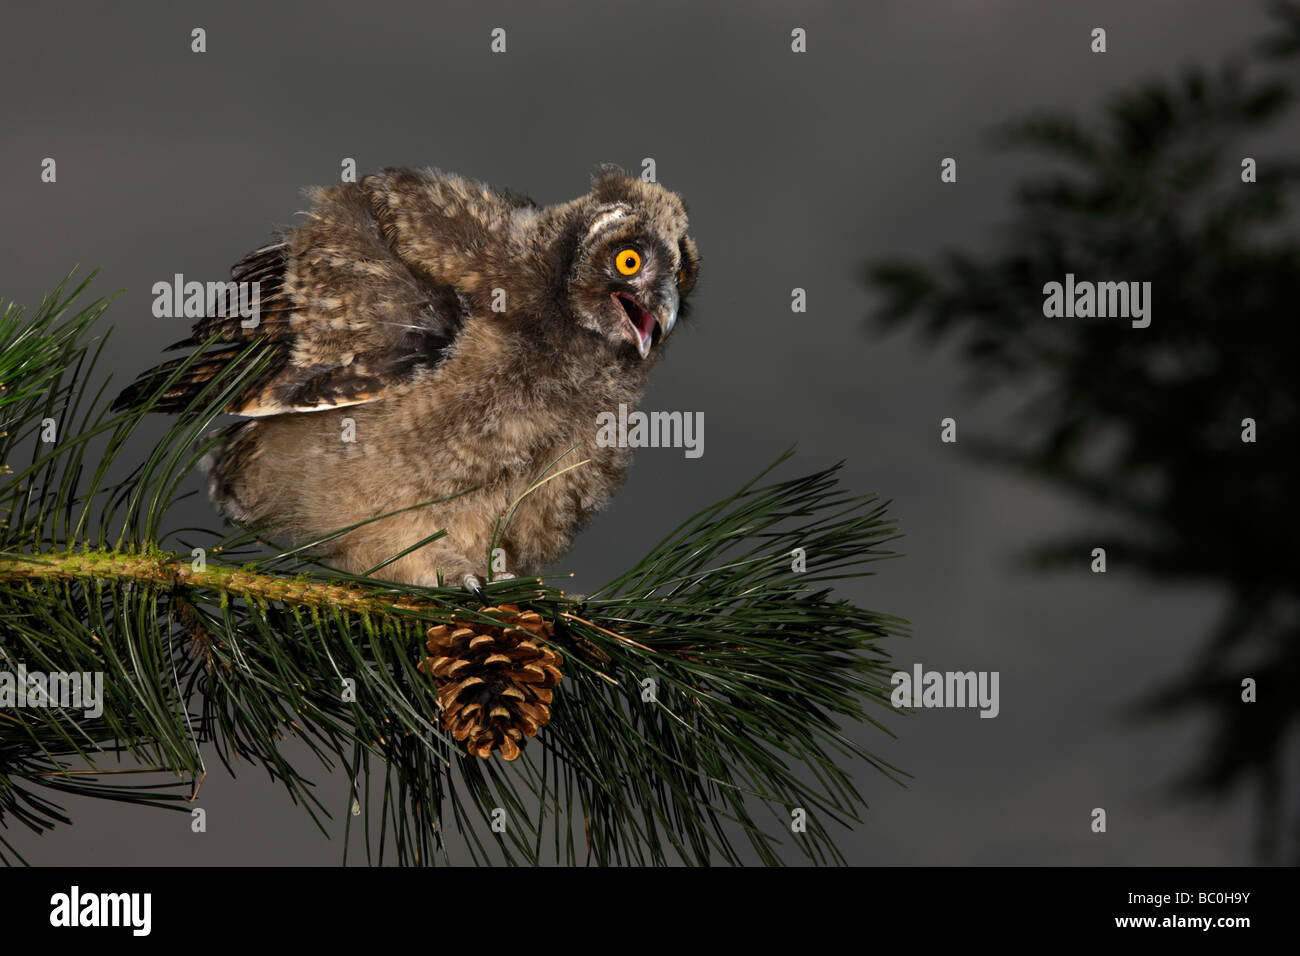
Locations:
(474, 585)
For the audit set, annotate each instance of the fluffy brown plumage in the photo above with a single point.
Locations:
(471, 337)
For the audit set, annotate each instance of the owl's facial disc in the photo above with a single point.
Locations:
(640, 325)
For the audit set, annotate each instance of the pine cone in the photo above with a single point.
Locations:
(494, 683)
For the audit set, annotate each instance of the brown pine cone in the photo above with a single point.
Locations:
(494, 682)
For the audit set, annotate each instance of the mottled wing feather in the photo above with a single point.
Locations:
(346, 319)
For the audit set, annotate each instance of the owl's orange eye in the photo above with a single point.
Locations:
(681, 274)
(628, 262)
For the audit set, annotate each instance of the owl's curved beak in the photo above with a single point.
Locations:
(640, 323)
(666, 310)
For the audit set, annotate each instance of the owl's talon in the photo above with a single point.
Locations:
(475, 587)
(503, 576)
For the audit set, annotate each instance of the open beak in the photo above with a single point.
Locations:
(640, 323)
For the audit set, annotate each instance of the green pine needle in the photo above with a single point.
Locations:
(706, 692)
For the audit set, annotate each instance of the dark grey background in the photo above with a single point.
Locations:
(796, 169)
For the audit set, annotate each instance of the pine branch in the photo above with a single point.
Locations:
(166, 570)
(702, 696)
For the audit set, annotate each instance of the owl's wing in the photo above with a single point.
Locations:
(345, 320)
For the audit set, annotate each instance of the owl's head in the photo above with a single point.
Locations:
(633, 264)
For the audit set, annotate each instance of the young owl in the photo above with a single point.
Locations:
(434, 339)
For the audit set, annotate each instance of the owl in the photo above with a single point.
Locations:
(438, 351)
